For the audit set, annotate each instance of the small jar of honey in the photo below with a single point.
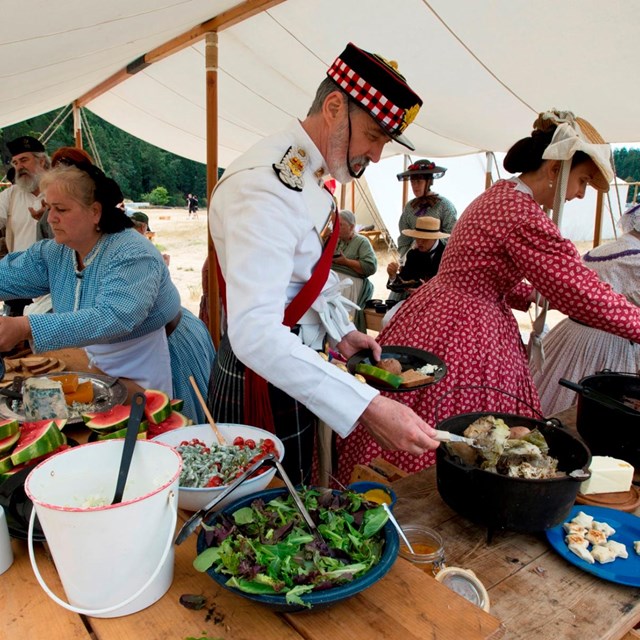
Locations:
(428, 548)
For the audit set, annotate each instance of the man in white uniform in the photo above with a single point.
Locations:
(22, 205)
(267, 216)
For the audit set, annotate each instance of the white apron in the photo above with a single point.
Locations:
(144, 360)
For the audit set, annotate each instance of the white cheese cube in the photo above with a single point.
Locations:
(608, 475)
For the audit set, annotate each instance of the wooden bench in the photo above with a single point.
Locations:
(374, 236)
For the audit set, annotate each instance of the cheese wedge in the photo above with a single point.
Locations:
(608, 475)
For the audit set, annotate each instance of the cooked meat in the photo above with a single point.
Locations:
(391, 365)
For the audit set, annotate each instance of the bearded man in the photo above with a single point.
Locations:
(268, 216)
(21, 205)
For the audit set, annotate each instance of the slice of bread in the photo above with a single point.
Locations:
(412, 378)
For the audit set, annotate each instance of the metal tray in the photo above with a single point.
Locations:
(107, 393)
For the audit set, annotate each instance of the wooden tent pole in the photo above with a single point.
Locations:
(77, 125)
(343, 196)
(597, 227)
(211, 62)
(353, 196)
(405, 184)
(488, 174)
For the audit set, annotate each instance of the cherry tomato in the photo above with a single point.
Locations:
(214, 481)
(250, 443)
(238, 441)
(268, 445)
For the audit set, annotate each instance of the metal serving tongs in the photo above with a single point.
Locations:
(299, 504)
(194, 521)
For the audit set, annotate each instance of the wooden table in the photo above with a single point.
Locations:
(406, 604)
(535, 592)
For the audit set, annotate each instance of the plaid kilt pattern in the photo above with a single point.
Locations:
(295, 424)
(386, 113)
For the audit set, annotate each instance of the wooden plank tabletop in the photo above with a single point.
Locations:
(535, 592)
(405, 605)
(25, 610)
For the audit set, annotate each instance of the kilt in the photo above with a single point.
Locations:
(295, 425)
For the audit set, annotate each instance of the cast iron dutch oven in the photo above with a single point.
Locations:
(608, 426)
(501, 502)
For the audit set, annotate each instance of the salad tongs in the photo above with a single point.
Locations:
(194, 521)
(299, 504)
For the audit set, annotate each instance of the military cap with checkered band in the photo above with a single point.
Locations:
(375, 84)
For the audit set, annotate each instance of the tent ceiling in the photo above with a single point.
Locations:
(484, 69)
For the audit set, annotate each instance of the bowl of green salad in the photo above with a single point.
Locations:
(208, 467)
(260, 548)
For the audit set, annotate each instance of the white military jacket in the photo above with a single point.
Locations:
(265, 223)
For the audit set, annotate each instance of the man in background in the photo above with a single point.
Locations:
(22, 205)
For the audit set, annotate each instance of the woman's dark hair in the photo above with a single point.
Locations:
(526, 154)
(87, 184)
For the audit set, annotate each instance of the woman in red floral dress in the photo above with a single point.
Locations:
(463, 315)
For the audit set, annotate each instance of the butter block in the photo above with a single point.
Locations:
(608, 475)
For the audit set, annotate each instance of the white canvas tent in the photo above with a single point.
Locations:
(484, 69)
(465, 180)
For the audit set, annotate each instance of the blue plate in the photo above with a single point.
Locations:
(627, 526)
(317, 599)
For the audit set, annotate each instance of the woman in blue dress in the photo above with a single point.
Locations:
(111, 291)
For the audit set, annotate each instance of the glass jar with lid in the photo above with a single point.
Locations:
(428, 548)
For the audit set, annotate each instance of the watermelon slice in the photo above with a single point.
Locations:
(8, 428)
(59, 422)
(177, 405)
(158, 406)
(5, 464)
(121, 433)
(36, 439)
(6, 444)
(9, 471)
(106, 421)
(175, 421)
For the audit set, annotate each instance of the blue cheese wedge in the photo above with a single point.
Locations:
(608, 475)
(43, 399)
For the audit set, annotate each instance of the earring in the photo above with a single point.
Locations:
(550, 184)
(98, 228)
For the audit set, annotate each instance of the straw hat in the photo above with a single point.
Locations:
(574, 134)
(376, 85)
(427, 228)
(422, 169)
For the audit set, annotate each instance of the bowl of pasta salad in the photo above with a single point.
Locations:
(208, 467)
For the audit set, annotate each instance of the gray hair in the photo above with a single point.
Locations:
(326, 87)
(42, 154)
(348, 217)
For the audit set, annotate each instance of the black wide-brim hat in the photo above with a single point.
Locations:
(422, 169)
(375, 85)
(25, 144)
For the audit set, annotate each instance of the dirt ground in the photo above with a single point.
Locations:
(185, 240)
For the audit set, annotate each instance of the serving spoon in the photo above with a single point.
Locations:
(137, 408)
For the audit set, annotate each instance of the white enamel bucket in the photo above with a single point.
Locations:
(113, 560)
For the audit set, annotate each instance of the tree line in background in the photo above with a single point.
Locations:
(144, 172)
(150, 174)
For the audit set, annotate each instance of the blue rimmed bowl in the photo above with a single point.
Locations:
(316, 599)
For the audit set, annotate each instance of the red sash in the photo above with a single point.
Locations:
(257, 406)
